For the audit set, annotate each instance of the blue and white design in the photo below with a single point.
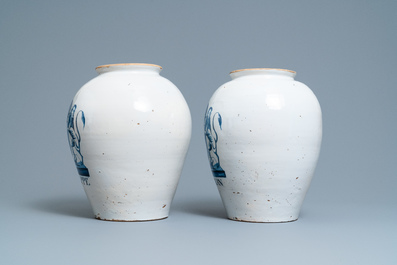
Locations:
(211, 123)
(73, 122)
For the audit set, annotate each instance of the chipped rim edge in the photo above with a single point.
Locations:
(121, 64)
(255, 69)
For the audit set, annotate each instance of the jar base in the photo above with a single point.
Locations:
(120, 220)
(253, 221)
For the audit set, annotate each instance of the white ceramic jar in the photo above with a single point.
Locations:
(263, 133)
(129, 130)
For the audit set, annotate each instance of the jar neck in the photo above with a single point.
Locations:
(265, 73)
(131, 67)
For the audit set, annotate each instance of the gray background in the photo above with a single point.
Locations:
(344, 50)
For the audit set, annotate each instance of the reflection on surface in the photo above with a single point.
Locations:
(78, 207)
(142, 104)
(275, 101)
(210, 207)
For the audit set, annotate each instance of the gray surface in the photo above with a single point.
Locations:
(344, 50)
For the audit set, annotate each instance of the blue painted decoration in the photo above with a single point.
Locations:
(218, 182)
(73, 121)
(211, 139)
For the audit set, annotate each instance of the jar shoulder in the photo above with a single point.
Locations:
(256, 87)
(118, 93)
(252, 93)
(115, 79)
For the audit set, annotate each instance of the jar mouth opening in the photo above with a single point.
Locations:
(126, 64)
(264, 69)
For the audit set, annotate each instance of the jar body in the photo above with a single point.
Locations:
(129, 131)
(263, 134)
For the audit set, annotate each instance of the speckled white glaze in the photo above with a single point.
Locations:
(130, 130)
(263, 133)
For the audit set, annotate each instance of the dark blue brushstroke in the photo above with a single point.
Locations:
(74, 141)
(211, 138)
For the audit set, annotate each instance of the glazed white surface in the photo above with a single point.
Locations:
(135, 139)
(268, 145)
(345, 51)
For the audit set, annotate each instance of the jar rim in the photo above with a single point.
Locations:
(256, 69)
(126, 64)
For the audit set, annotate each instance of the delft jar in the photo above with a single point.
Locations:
(263, 133)
(129, 130)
